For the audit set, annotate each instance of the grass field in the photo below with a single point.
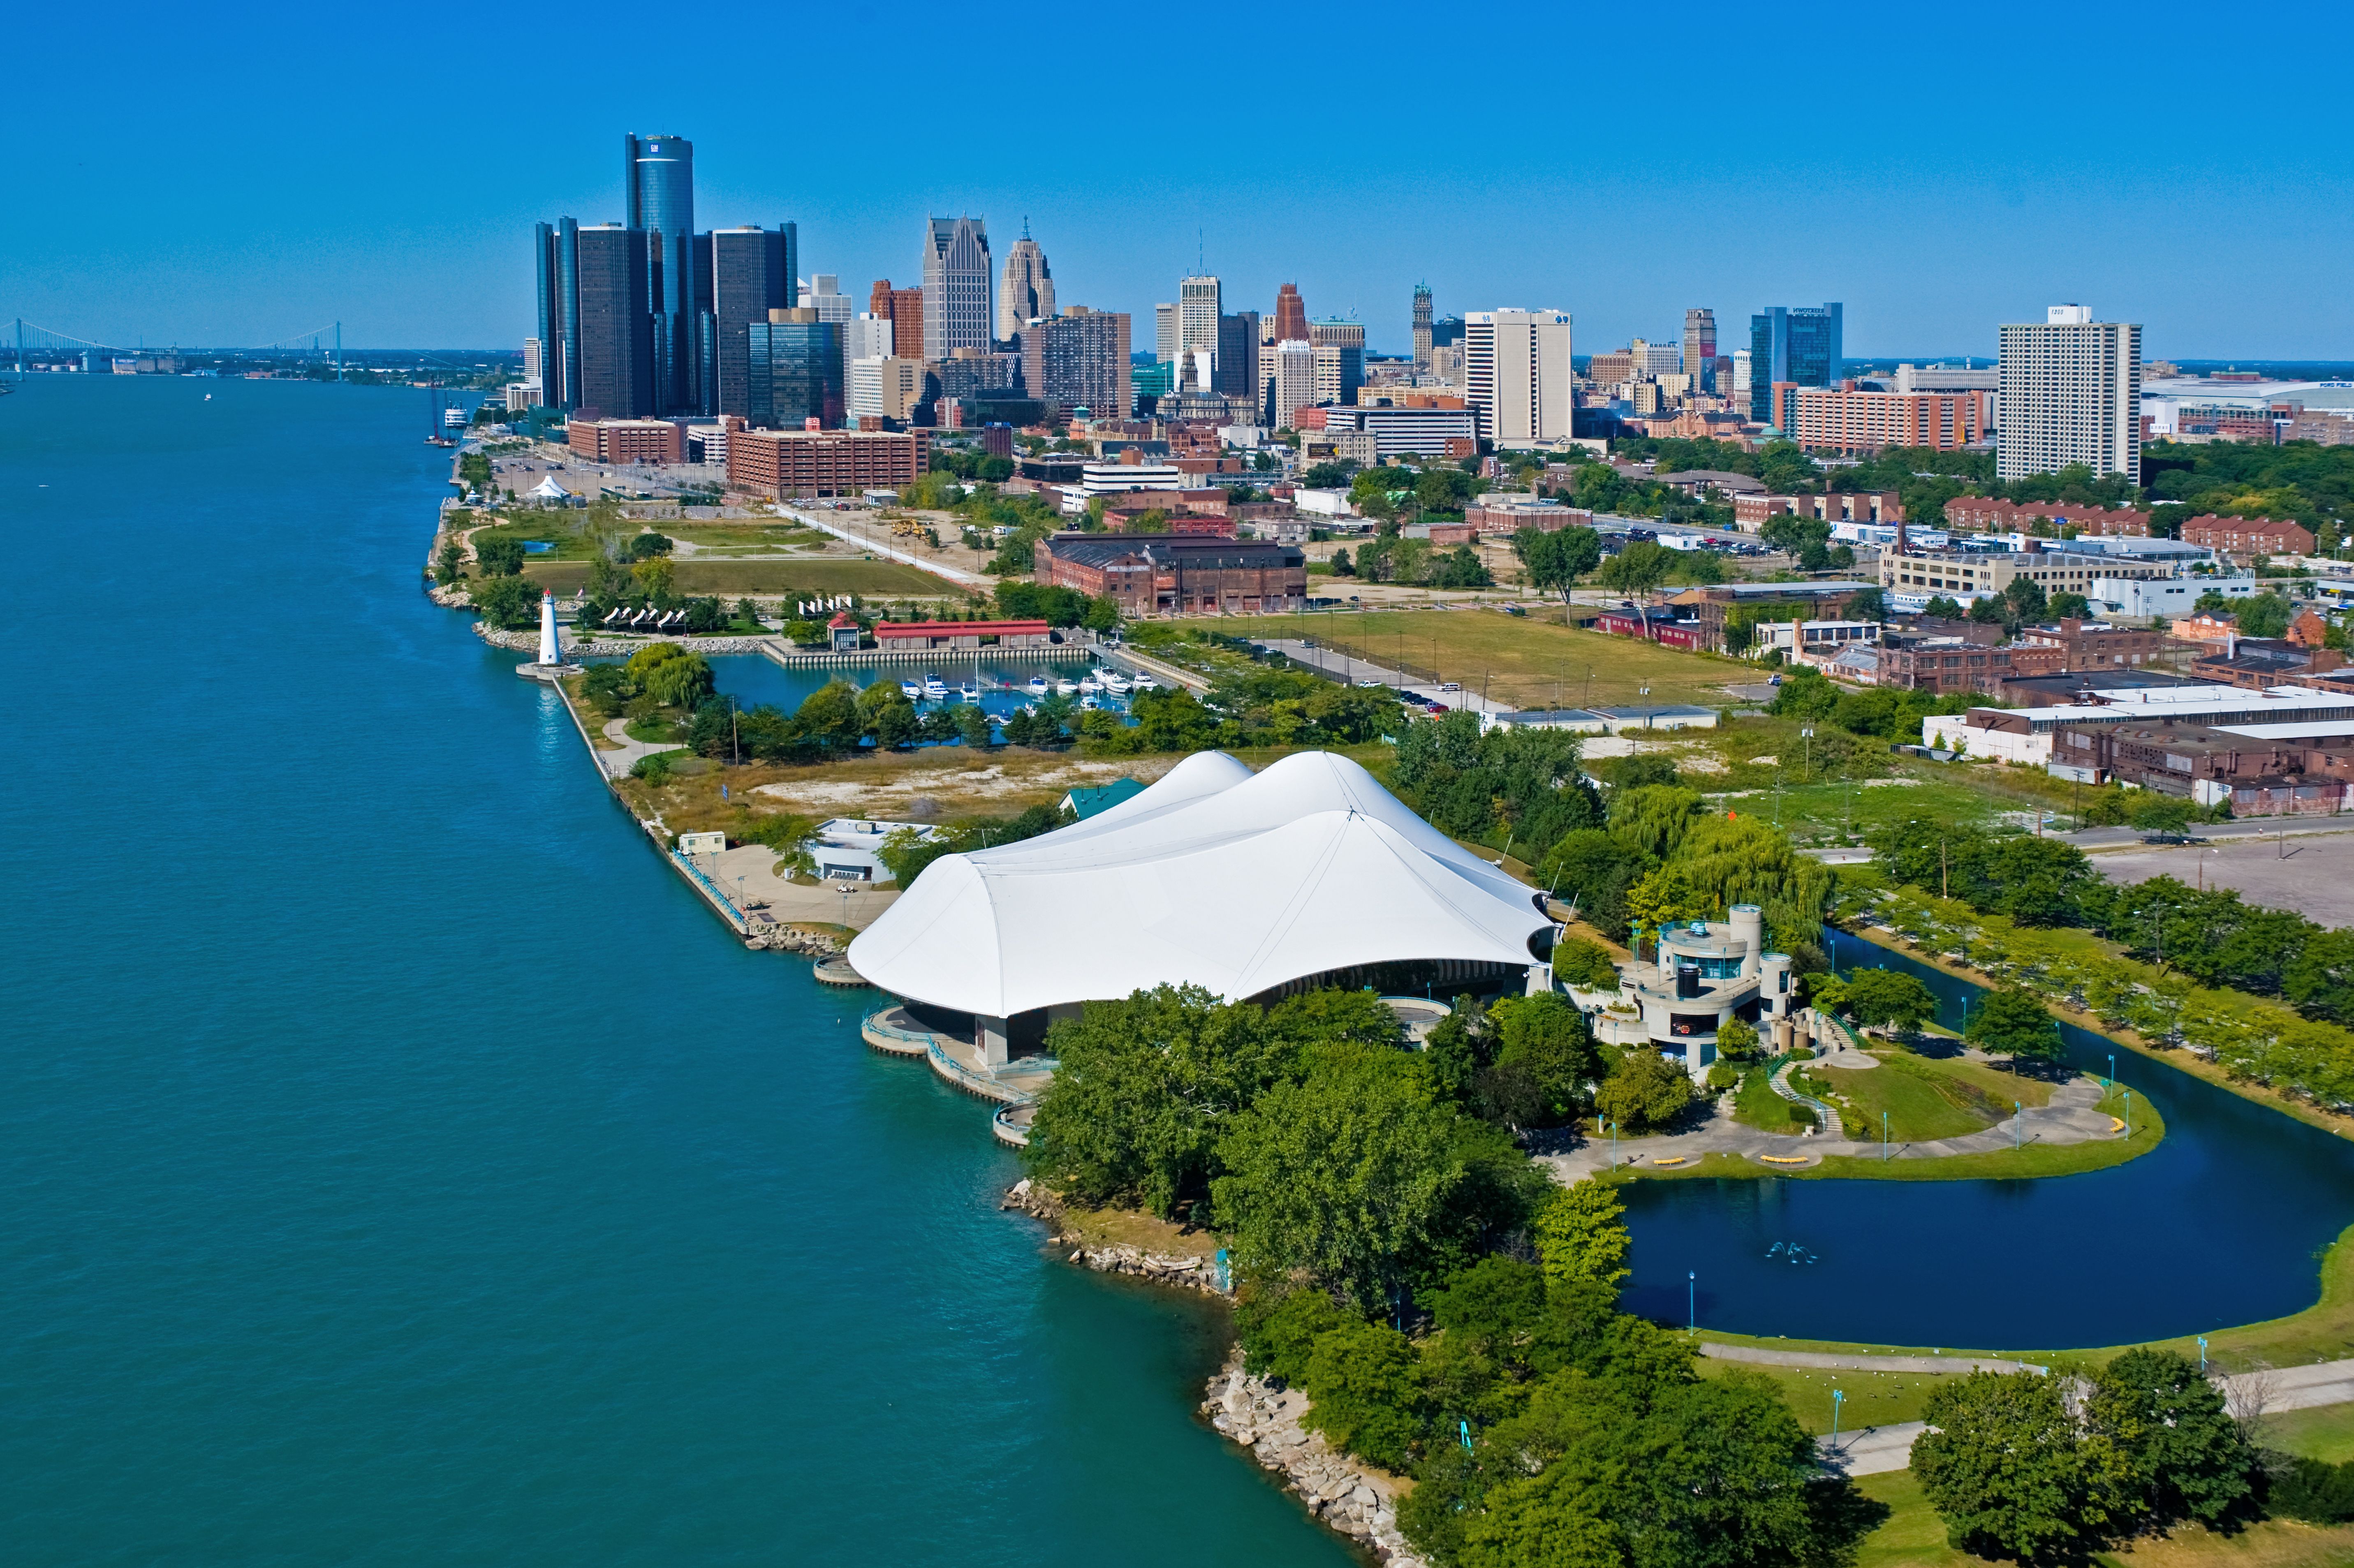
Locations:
(1873, 1399)
(1913, 1536)
(1754, 1104)
(876, 579)
(1526, 662)
(2326, 1434)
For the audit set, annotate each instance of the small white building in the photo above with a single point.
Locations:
(2140, 599)
(846, 849)
(1820, 638)
(1956, 732)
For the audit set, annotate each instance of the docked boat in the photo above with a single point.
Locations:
(1089, 685)
(1090, 704)
(1144, 682)
(1064, 688)
(912, 690)
(1040, 686)
(1113, 681)
(935, 689)
(969, 692)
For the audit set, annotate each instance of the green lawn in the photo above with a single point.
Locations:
(1919, 1106)
(1913, 1536)
(1873, 1398)
(1754, 1104)
(2325, 1434)
(732, 579)
(570, 545)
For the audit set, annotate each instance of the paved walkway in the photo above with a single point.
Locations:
(617, 764)
(890, 552)
(1871, 1450)
(2070, 1118)
(1356, 669)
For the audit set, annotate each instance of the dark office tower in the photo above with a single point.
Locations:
(658, 176)
(795, 370)
(1421, 327)
(555, 254)
(1796, 343)
(1446, 332)
(1290, 316)
(1237, 372)
(616, 334)
(752, 272)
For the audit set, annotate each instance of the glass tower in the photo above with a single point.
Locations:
(1797, 344)
(795, 371)
(658, 176)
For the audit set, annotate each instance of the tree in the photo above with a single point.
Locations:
(2011, 1474)
(501, 554)
(973, 726)
(2188, 1457)
(512, 604)
(2011, 1020)
(1365, 1393)
(1736, 1041)
(1584, 964)
(1341, 566)
(2069, 606)
(1890, 1000)
(829, 716)
(1942, 608)
(2025, 597)
(1645, 1090)
(1544, 1058)
(1581, 1233)
(2265, 615)
(1636, 570)
(685, 682)
(1557, 558)
(449, 563)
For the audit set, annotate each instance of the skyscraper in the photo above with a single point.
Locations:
(1078, 360)
(1164, 335)
(1517, 376)
(1027, 291)
(1198, 300)
(751, 275)
(1339, 359)
(905, 309)
(555, 256)
(616, 332)
(1292, 383)
(1290, 316)
(796, 370)
(658, 181)
(822, 294)
(1420, 328)
(1238, 374)
(1797, 344)
(957, 285)
(1700, 348)
(2070, 392)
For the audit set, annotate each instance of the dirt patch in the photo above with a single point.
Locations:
(1008, 782)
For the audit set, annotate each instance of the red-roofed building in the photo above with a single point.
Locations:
(2248, 536)
(920, 636)
(841, 633)
(1992, 516)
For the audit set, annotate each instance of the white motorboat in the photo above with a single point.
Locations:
(1113, 681)
(1145, 683)
(1090, 704)
(1089, 685)
(969, 692)
(935, 689)
(912, 690)
(1040, 686)
(1064, 688)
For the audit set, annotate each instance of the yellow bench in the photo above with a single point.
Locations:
(1672, 1159)
(1784, 1159)
(2115, 1126)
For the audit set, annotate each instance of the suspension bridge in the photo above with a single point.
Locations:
(33, 341)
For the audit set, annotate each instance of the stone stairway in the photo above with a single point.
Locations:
(1829, 1118)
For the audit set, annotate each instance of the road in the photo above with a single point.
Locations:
(957, 574)
(1356, 670)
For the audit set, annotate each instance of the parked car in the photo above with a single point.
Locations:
(2170, 838)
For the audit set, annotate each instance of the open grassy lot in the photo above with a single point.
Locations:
(1924, 1098)
(779, 535)
(1527, 663)
(1873, 1398)
(818, 574)
(2325, 1433)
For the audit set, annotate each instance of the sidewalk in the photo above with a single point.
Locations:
(889, 552)
(1356, 670)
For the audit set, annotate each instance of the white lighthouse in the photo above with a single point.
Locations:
(548, 651)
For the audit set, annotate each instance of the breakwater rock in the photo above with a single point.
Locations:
(610, 648)
(1348, 1495)
(787, 941)
(1183, 1269)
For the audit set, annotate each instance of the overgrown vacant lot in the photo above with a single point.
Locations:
(876, 579)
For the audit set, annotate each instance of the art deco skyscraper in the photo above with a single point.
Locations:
(658, 187)
(957, 283)
(1026, 293)
(1699, 349)
(1290, 316)
(1420, 328)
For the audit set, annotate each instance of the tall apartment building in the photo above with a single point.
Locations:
(1339, 359)
(1797, 344)
(1830, 420)
(1078, 360)
(867, 336)
(1238, 373)
(1292, 380)
(1700, 348)
(957, 285)
(658, 188)
(555, 266)
(1420, 328)
(751, 275)
(1164, 333)
(1290, 316)
(1517, 376)
(904, 307)
(1736, 379)
(795, 370)
(882, 386)
(1026, 292)
(1198, 308)
(616, 330)
(2070, 392)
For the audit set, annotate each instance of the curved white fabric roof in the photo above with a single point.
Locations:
(1215, 876)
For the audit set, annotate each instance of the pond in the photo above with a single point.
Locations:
(2222, 1224)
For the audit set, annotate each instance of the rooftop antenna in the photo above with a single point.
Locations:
(1026, 226)
(1201, 251)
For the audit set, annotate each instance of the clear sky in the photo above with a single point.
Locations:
(232, 175)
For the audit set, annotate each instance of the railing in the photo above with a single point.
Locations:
(873, 1021)
(711, 887)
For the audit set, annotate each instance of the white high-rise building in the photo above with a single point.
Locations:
(1739, 391)
(1294, 380)
(1516, 374)
(866, 336)
(1656, 358)
(958, 288)
(1197, 317)
(1164, 333)
(823, 294)
(1026, 293)
(2070, 392)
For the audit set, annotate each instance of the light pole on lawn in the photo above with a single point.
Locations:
(1807, 755)
(2113, 1071)
(1837, 1398)
(1884, 1138)
(1691, 1302)
(2018, 1114)
(2202, 1355)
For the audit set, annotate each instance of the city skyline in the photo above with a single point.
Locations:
(1930, 242)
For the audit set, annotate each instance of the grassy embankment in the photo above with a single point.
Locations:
(1913, 1536)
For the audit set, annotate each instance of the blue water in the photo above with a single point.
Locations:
(402, 1167)
(752, 680)
(2222, 1224)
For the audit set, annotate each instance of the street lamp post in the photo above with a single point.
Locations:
(1807, 754)
(1837, 1398)
(2017, 1112)
(1691, 1302)
(2113, 1071)
(2202, 1355)
(1884, 1138)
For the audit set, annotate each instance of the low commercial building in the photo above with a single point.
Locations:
(1966, 575)
(1956, 664)
(1995, 516)
(1811, 641)
(2095, 644)
(1120, 477)
(1663, 627)
(849, 849)
(1761, 602)
(629, 440)
(2161, 598)
(1406, 431)
(824, 462)
(2248, 536)
(1172, 574)
(1750, 510)
(920, 636)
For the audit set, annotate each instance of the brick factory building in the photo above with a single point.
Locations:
(825, 462)
(628, 440)
(1168, 574)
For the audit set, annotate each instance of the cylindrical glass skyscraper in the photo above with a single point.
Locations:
(658, 173)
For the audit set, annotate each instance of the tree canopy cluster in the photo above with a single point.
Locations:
(1884, 711)
(1055, 605)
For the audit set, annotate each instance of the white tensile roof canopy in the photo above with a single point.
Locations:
(1215, 876)
(548, 490)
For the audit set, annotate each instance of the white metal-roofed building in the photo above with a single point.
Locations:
(1244, 883)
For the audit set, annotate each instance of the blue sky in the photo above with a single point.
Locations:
(237, 176)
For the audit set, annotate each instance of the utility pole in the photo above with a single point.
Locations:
(1945, 882)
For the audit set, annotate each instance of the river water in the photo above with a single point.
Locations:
(402, 1166)
(2222, 1224)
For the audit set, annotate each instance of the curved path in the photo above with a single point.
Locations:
(617, 764)
(2073, 1117)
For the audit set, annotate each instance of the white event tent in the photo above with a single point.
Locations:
(1215, 876)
